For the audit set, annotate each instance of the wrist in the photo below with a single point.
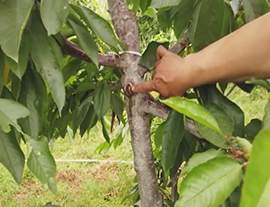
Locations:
(195, 74)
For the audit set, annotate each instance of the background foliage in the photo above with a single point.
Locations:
(47, 92)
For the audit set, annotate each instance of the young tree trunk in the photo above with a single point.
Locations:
(126, 27)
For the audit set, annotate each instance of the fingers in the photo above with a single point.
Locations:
(144, 87)
(161, 51)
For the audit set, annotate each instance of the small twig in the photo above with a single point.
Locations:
(181, 44)
(159, 110)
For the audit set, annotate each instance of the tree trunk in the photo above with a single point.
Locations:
(126, 27)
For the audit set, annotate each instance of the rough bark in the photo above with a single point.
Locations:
(126, 27)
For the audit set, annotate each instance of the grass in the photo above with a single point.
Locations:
(79, 184)
(96, 184)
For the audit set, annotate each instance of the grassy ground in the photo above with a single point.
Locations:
(95, 184)
(79, 184)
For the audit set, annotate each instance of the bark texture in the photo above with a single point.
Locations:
(126, 27)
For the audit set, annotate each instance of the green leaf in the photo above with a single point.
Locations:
(200, 158)
(194, 111)
(260, 82)
(80, 112)
(148, 58)
(117, 106)
(71, 68)
(102, 99)
(252, 128)
(225, 122)
(89, 121)
(229, 107)
(46, 61)
(11, 155)
(244, 144)
(41, 162)
(98, 25)
(34, 97)
(53, 14)
(266, 118)
(210, 183)
(14, 15)
(86, 41)
(183, 16)
(159, 134)
(256, 188)
(172, 137)
(164, 3)
(104, 130)
(144, 4)
(213, 137)
(15, 86)
(19, 68)
(211, 21)
(255, 8)
(2, 69)
(10, 111)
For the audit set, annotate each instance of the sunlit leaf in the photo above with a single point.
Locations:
(266, 118)
(210, 183)
(200, 158)
(256, 188)
(14, 15)
(53, 14)
(194, 111)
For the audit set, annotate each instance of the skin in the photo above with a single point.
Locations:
(236, 57)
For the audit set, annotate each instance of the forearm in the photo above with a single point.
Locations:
(241, 55)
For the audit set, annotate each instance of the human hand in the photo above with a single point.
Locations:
(170, 76)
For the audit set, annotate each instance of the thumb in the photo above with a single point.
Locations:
(143, 87)
(161, 51)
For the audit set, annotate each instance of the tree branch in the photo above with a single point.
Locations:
(181, 44)
(156, 109)
(126, 26)
(111, 60)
